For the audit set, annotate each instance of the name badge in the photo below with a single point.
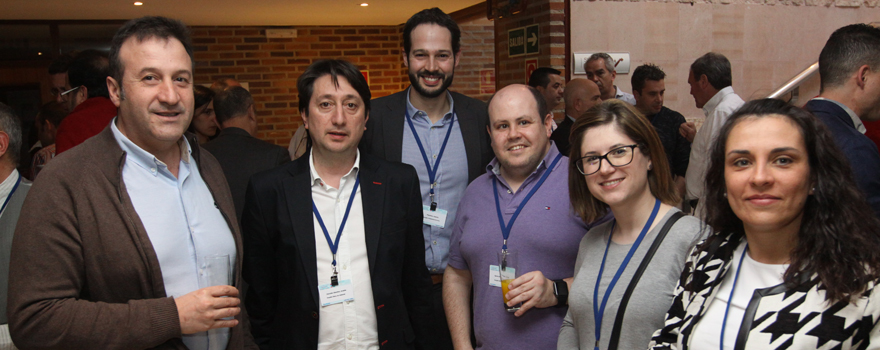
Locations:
(433, 217)
(495, 275)
(330, 294)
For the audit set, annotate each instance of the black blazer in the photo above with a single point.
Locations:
(241, 156)
(280, 259)
(561, 135)
(384, 135)
(859, 150)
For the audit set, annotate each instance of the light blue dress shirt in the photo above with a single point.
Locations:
(452, 175)
(182, 221)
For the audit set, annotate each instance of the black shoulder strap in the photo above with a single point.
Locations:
(621, 310)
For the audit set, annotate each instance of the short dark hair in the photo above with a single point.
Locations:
(431, 16)
(715, 67)
(10, 124)
(62, 63)
(202, 96)
(644, 73)
(232, 103)
(305, 84)
(847, 49)
(90, 68)
(54, 112)
(631, 123)
(543, 108)
(143, 28)
(838, 233)
(541, 76)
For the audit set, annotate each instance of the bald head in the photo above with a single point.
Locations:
(581, 95)
(519, 128)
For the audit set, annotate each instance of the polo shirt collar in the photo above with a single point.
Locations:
(494, 167)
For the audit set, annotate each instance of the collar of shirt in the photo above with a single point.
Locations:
(316, 178)
(495, 170)
(617, 94)
(570, 118)
(857, 122)
(715, 100)
(146, 159)
(415, 112)
(7, 185)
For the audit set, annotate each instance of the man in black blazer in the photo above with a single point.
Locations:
(441, 133)
(580, 95)
(241, 155)
(849, 76)
(334, 251)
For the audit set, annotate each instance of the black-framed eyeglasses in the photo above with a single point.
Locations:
(617, 157)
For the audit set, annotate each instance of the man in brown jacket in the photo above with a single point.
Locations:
(118, 241)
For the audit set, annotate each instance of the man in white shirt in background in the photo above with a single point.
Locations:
(710, 80)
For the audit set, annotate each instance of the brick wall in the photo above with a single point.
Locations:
(550, 15)
(271, 66)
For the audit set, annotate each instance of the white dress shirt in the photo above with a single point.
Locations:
(351, 324)
(6, 186)
(624, 96)
(717, 109)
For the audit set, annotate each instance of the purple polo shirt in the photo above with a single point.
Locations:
(546, 236)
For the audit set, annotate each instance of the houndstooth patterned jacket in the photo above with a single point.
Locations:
(776, 317)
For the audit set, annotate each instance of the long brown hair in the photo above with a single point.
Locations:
(635, 126)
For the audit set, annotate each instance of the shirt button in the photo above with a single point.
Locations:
(508, 191)
(345, 267)
(349, 337)
(435, 156)
(314, 315)
(435, 242)
(153, 169)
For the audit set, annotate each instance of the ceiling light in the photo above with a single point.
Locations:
(138, 3)
(365, 4)
(39, 53)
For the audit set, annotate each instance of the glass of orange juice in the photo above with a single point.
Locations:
(507, 262)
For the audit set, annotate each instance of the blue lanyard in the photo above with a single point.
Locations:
(732, 289)
(599, 312)
(505, 229)
(14, 187)
(432, 171)
(334, 246)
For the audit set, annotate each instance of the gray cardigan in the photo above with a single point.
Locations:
(651, 298)
(7, 226)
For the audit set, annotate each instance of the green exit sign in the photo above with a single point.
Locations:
(522, 41)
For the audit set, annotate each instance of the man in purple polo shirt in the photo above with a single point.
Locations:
(528, 176)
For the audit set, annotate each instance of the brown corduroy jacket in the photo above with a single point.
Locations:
(83, 273)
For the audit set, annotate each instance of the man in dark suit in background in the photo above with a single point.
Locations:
(440, 133)
(334, 250)
(580, 95)
(240, 153)
(849, 70)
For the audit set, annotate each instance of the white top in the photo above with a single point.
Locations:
(6, 186)
(350, 324)
(717, 109)
(754, 275)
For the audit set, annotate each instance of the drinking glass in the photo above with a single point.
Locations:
(507, 264)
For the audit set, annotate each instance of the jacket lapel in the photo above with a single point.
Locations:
(298, 193)
(373, 199)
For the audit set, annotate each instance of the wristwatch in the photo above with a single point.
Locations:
(560, 290)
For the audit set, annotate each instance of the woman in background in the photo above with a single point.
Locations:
(619, 165)
(204, 122)
(795, 255)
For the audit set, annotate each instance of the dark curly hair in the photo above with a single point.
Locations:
(837, 239)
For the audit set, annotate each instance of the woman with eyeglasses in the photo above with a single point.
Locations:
(626, 269)
(794, 259)
(204, 122)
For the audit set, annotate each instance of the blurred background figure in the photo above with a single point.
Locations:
(204, 122)
(630, 264)
(48, 120)
(794, 258)
(90, 107)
